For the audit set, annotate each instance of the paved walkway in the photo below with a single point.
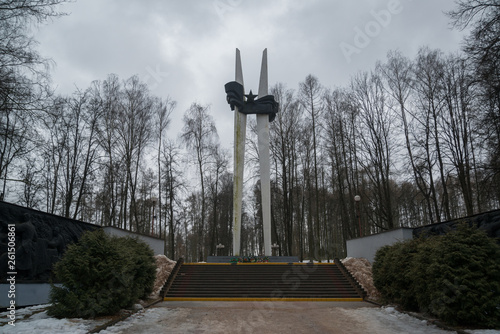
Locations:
(270, 317)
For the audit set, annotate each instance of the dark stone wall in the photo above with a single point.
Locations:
(41, 239)
(487, 221)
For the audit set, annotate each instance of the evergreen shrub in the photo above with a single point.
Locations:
(455, 277)
(392, 273)
(100, 275)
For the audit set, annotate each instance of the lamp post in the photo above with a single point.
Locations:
(274, 247)
(357, 199)
(154, 199)
(219, 246)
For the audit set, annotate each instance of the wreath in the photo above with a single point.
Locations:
(249, 259)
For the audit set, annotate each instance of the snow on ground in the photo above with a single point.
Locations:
(35, 320)
(164, 267)
(21, 313)
(152, 317)
(379, 320)
(156, 319)
(388, 319)
(361, 269)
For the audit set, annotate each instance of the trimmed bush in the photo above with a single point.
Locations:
(463, 278)
(144, 265)
(100, 275)
(423, 263)
(455, 277)
(392, 273)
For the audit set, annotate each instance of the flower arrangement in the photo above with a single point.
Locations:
(249, 259)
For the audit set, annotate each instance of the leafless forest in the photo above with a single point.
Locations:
(417, 139)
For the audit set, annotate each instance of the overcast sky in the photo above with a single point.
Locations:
(186, 49)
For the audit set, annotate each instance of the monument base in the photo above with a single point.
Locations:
(270, 259)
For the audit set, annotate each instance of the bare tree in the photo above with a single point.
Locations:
(428, 72)
(30, 174)
(482, 47)
(53, 152)
(162, 120)
(90, 149)
(80, 122)
(17, 47)
(17, 135)
(483, 43)
(217, 168)
(310, 96)
(70, 152)
(377, 145)
(340, 147)
(284, 144)
(199, 135)
(459, 123)
(107, 95)
(172, 179)
(135, 133)
(225, 212)
(23, 78)
(399, 78)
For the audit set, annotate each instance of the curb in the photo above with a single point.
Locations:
(432, 321)
(115, 321)
(438, 323)
(257, 299)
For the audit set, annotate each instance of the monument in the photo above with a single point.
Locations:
(265, 107)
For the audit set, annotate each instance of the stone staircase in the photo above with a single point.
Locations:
(262, 281)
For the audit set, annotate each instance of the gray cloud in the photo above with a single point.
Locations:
(185, 49)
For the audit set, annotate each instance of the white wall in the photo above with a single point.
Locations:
(26, 294)
(156, 244)
(366, 247)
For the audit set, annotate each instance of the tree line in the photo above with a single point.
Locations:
(415, 140)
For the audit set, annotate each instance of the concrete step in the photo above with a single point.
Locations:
(262, 281)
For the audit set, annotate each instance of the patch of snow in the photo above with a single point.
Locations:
(41, 323)
(149, 319)
(385, 320)
(361, 270)
(21, 313)
(388, 320)
(137, 307)
(164, 267)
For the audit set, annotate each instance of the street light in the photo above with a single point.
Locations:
(153, 199)
(219, 246)
(274, 247)
(357, 199)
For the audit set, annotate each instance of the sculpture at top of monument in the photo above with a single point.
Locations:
(265, 108)
(264, 105)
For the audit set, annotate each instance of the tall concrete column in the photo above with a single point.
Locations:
(264, 159)
(265, 107)
(240, 126)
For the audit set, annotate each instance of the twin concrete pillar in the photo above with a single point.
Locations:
(263, 107)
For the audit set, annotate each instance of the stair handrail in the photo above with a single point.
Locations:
(171, 277)
(355, 284)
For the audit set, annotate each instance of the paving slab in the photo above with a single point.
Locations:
(271, 317)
